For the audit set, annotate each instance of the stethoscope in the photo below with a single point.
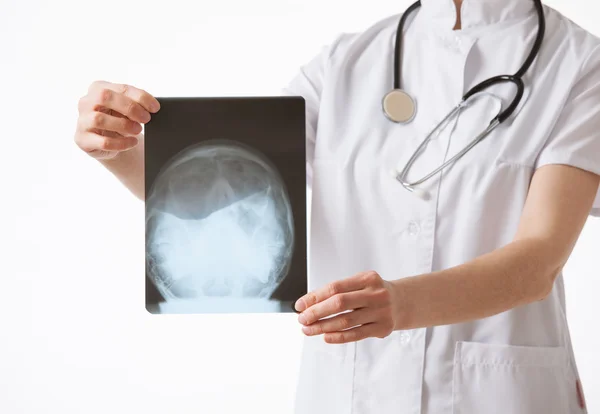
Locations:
(400, 107)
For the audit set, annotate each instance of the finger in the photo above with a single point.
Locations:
(352, 335)
(341, 322)
(90, 142)
(334, 305)
(105, 133)
(149, 102)
(111, 112)
(109, 101)
(86, 104)
(98, 120)
(350, 284)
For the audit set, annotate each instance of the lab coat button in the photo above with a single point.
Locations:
(404, 338)
(413, 228)
(458, 42)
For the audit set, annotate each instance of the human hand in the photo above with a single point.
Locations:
(367, 306)
(110, 118)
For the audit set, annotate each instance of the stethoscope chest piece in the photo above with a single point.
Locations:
(399, 106)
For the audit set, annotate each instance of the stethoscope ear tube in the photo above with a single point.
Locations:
(538, 40)
(517, 78)
(411, 186)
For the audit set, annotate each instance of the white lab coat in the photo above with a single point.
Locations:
(520, 361)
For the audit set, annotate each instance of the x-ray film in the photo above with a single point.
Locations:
(225, 205)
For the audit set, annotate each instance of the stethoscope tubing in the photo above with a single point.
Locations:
(516, 79)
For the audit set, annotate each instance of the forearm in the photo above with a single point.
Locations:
(128, 167)
(517, 274)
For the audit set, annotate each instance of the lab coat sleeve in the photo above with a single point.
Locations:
(309, 82)
(575, 139)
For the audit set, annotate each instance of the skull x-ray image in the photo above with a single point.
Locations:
(219, 224)
(225, 206)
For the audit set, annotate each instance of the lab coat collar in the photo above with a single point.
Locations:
(474, 13)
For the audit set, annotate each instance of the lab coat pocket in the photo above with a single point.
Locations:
(508, 379)
(326, 377)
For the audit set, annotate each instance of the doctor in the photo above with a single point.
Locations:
(444, 296)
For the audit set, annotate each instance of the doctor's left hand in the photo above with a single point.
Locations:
(364, 306)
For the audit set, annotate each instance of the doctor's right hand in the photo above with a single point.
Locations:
(111, 117)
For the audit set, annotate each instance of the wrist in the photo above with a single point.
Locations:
(402, 305)
(113, 159)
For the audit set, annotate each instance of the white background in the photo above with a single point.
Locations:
(74, 335)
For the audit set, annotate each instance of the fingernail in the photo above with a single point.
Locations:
(154, 106)
(306, 330)
(146, 117)
(302, 319)
(293, 306)
(300, 305)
